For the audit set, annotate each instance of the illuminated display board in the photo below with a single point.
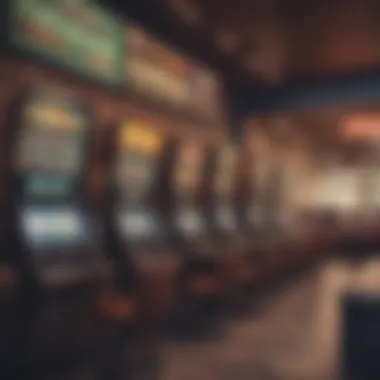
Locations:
(50, 146)
(139, 145)
(156, 69)
(53, 226)
(190, 222)
(138, 224)
(74, 34)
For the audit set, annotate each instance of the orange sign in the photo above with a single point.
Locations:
(360, 126)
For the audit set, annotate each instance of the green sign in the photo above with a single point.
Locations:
(74, 34)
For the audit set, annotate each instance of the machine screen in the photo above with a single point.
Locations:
(50, 147)
(190, 222)
(188, 169)
(42, 185)
(225, 217)
(137, 163)
(225, 171)
(54, 227)
(256, 216)
(138, 225)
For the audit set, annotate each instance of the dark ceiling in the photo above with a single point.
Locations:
(269, 42)
(289, 51)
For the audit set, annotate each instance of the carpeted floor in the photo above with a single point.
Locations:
(295, 336)
(279, 342)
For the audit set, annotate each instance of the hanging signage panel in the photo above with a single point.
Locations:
(204, 91)
(154, 69)
(73, 34)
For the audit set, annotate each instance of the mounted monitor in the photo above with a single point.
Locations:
(138, 149)
(54, 227)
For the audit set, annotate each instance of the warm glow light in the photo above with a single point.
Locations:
(360, 127)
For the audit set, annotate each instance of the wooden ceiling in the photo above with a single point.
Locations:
(270, 42)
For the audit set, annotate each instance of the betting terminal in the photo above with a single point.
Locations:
(138, 231)
(253, 207)
(230, 245)
(55, 235)
(198, 290)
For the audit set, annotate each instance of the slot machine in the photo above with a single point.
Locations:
(255, 216)
(230, 243)
(56, 239)
(301, 234)
(137, 229)
(198, 291)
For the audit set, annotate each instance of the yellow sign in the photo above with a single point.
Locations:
(52, 117)
(136, 135)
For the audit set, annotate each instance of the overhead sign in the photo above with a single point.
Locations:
(205, 91)
(360, 126)
(157, 70)
(73, 34)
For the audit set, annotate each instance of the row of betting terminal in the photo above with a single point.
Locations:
(173, 251)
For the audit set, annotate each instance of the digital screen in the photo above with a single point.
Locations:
(138, 225)
(137, 163)
(43, 185)
(136, 173)
(56, 227)
(225, 218)
(50, 144)
(49, 150)
(188, 170)
(190, 222)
